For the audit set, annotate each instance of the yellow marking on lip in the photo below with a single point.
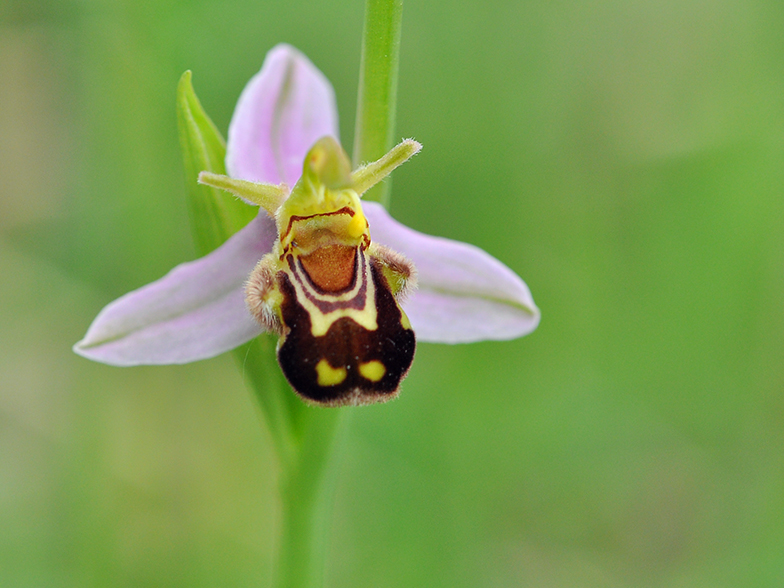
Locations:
(358, 225)
(366, 317)
(372, 370)
(329, 376)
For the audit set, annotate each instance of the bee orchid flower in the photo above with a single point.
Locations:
(332, 276)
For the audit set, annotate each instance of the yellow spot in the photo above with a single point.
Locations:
(372, 370)
(329, 376)
(358, 224)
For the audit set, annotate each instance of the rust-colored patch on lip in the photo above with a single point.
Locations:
(331, 268)
(345, 210)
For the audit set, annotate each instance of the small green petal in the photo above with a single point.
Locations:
(371, 174)
(268, 196)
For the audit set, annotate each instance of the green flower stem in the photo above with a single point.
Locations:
(375, 127)
(307, 488)
(259, 366)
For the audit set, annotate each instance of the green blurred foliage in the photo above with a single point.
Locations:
(625, 158)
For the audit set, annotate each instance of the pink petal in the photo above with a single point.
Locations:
(282, 112)
(464, 294)
(195, 311)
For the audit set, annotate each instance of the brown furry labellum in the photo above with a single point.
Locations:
(344, 339)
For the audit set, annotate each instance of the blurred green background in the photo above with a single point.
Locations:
(626, 158)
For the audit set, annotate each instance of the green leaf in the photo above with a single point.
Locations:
(215, 215)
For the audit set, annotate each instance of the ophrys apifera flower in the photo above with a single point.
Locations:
(331, 275)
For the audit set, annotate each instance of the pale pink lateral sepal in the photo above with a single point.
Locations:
(195, 311)
(283, 110)
(464, 294)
